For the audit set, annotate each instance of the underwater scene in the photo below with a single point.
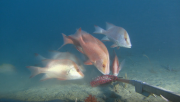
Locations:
(89, 50)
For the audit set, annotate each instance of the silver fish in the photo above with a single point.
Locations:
(117, 35)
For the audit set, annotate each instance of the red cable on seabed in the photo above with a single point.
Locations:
(106, 79)
(103, 80)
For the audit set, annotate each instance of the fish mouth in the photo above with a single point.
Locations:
(128, 46)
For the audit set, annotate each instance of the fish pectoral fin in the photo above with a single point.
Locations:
(45, 77)
(79, 49)
(105, 38)
(114, 45)
(88, 62)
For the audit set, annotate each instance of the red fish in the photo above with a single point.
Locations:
(94, 49)
(116, 68)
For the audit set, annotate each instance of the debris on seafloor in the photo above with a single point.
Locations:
(91, 98)
(113, 95)
(147, 58)
(149, 96)
(151, 70)
(168, 68)
(125, 84)
(116, 87)
(104, 79)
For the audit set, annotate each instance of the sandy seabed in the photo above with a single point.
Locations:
(137, 67)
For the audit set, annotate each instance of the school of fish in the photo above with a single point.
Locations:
(67, 66)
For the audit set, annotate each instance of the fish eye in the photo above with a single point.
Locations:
(77, 70)
(125, 39)
(104, 66)
(125, 36)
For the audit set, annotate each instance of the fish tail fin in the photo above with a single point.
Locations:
(67, 40)
(99, 30)
(35, 70)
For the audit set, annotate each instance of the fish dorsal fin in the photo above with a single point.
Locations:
(39, 56)
(47, 61)
(109, 26)
(77, 36)
(56, 54)
(88, 62)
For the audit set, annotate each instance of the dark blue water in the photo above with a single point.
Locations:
(35, 26)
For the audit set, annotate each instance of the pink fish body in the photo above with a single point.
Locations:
(95, 50)
(116, 68)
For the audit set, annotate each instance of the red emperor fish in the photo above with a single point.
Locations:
(93, 48)
(62, 69)
(117, 35)
(116, 68)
